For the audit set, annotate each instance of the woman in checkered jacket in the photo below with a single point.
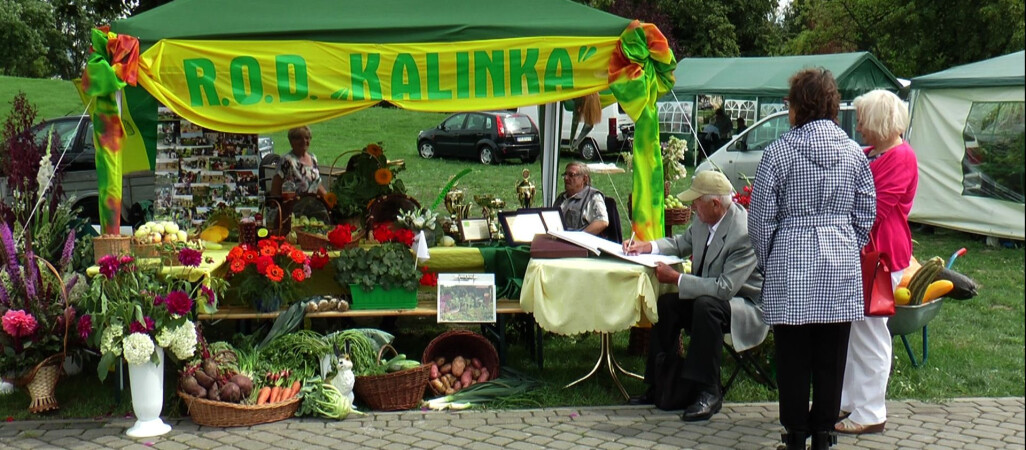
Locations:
(813, 204)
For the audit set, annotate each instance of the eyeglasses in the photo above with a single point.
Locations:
(570, 175)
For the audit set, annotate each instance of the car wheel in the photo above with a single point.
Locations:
(588, 150)
(426, 149)
(90, 209)
(487, 155)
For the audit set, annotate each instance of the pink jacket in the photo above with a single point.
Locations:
(896, 175)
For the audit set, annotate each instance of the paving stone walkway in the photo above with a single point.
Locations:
(968, 423)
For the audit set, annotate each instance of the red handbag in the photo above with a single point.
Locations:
(876, 284)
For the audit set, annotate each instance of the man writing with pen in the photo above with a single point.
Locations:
(718, 297)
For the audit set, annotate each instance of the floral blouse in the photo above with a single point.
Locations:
(306, 178)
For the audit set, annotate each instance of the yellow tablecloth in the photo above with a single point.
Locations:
(577, 295)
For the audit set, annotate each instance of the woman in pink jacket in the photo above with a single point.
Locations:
(882, 119)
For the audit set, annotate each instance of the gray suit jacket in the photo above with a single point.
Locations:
(729, 272)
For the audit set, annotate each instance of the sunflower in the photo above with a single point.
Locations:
(374, 150)
(383, 176)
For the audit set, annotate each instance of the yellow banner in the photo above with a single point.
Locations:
(260, 86)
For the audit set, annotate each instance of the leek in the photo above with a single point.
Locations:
(481, 393)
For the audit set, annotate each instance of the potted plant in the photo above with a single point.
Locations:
(271, 274)
(35, 315)
(135, 312)
(382, 276)
(368, 175)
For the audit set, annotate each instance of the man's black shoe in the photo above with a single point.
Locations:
(643, 399)
(703, 408)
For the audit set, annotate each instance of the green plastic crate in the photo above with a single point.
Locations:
(379, 298)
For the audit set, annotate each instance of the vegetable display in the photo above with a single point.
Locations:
(449, 377)
(324, 400)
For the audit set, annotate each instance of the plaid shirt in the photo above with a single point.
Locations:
(813, 204)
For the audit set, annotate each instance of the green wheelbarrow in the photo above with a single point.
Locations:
(908, 319)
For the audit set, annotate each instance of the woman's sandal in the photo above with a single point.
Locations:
(843, 415)
(848, 426)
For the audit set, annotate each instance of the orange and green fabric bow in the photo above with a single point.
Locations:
(641, 71)
(113, 64)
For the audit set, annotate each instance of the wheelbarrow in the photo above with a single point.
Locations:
(908, 319)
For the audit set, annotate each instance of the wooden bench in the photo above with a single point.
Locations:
(426, 307)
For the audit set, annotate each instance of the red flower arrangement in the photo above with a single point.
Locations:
(744, 198)
(273, 268)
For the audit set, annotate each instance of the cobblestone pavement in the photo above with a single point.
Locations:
(979, 423)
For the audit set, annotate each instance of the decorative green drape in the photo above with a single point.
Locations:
(641, 71)
(112, 65)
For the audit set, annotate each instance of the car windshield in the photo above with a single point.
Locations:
(518, 123)
(63, 130)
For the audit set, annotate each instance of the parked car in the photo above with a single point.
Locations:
(489, 136)
(739, 158)
(75, 133)
(613, 134)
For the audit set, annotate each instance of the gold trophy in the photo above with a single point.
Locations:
(490, 207)
(457, 209)
(525, 190)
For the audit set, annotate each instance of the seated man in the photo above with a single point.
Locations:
(584, 207)
(709, 300)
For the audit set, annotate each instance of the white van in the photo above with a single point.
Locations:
(613, 134)
(739, 158)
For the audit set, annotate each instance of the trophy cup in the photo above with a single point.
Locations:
(525, 190)
(457, 209)
(490, 207)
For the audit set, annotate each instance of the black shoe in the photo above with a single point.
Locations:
(644, 399)
(703, 408)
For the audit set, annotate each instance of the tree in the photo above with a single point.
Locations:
(25, 38)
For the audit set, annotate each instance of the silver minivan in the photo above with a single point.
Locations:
(739, 158)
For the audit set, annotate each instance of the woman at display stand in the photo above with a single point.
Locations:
(298, 176)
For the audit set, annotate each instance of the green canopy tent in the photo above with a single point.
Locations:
(765, 79)
(262, 65)
(967, 129)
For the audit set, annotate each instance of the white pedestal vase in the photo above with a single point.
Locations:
(147, 382)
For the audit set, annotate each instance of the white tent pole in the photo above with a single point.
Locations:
(550, 152)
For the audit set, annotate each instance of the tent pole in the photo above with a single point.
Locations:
(550, 131)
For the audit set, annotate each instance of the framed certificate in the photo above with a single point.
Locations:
(474, 230)
(466, 298)
(522, 225)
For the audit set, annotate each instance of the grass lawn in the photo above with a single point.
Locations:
(976, 347)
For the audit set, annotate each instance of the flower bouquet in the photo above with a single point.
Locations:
(422, 221)
(383, 276)
(368, 175)
(131, 310)
(35, 316)
(269, 275)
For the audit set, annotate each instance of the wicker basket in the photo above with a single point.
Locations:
(678, 216)
(111, 245)
(41, 383)
(465, 343)
(395, 391)
(223, 414)
(145, 250)
(312, 241)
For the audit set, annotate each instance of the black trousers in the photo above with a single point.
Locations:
(813, 353)
(705, 319)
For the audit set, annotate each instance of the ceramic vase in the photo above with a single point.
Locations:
(147, 382)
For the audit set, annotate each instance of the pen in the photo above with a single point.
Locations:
(630, 241)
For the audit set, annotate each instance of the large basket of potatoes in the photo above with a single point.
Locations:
(458, 359)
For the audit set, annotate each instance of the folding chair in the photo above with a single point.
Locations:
(746, 319)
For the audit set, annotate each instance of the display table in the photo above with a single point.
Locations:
(213, 261)
(577, 295)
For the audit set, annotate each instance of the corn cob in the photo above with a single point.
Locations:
(922, 279)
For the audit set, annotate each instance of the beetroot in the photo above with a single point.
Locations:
(245, 384)
(203, 379)
(231, 393)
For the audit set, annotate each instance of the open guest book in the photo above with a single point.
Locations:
(599, 246)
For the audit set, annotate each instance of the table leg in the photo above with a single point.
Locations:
(606, 357)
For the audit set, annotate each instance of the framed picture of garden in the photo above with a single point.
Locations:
(466, 298)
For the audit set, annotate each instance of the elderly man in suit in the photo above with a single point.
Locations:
(718, 297)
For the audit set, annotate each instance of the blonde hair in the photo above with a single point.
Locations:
(882, 113)
(298, 132)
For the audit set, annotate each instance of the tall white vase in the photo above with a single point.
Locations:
(147, 382)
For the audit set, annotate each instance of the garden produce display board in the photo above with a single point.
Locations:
(199, 170)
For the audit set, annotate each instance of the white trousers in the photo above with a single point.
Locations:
(868, 367)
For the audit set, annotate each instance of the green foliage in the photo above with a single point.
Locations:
(25, 34)
(368, 175)
(390, 265)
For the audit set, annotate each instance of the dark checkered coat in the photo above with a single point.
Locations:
(813, 204)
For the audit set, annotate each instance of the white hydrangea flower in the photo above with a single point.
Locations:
(165, 337)
(184, 342)
(138, 348)
(110, 340)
